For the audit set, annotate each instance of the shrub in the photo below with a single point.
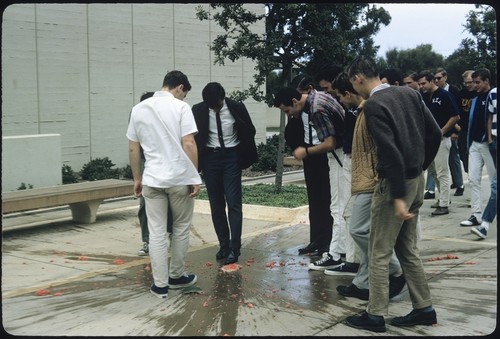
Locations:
(99, 169)
(23, 186)
(126, 172)
(268, 154)
(68, 175)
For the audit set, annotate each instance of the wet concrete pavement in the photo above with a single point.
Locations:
(66, 279)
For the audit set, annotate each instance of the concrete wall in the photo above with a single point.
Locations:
(31, 159)
(77, 70)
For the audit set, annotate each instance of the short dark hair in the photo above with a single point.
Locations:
(483, 73)
(363, 65)
(146, 95)
(212, 94)
(392, 76)
(428, 75)
(328, 72)
(441, 70)
(302, 81)
(342, 84)
(176, 78)
(285, 96)
(411, 74)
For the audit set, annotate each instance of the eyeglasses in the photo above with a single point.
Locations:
(468, 83)
(438, 78)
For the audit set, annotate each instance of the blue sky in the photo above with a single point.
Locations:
(440, 25)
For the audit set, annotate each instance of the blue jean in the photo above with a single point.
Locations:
(222, 175)
(430, 184)
(493, 150)
(490, 211)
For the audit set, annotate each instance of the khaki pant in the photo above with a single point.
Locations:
(388, 233)
(182, 206)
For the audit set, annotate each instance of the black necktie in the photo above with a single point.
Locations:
(219, 129)
(310, 131)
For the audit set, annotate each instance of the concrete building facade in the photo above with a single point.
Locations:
(77, 69)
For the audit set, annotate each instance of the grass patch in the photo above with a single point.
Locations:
(291, 196)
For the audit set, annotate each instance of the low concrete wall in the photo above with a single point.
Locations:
(31, 159)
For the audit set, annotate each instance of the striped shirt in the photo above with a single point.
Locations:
(327, 116)
(492, 109)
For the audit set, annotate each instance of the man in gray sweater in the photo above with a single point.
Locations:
(407, 139)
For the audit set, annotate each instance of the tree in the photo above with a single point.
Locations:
(481, 50)
(301, 35)
(416, 59)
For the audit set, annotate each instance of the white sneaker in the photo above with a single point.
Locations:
(325, 262)
(479, 231)
(472, 221)
(144, 250)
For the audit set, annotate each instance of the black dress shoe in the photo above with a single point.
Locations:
(396, 285)
(232, 257)
(416, 317)
(353, 291)
(428, 195)
(311, 248)
(366, 322)
(459, 192)
(223, 253)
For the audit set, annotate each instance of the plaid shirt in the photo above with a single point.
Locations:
(324, 111)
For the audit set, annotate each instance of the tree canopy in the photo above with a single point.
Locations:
(473, 53)
(480, 50)
(301, 35)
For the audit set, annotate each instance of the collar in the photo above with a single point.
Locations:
(163, 94)
(379, 87)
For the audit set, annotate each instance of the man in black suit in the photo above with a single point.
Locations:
(226, 145)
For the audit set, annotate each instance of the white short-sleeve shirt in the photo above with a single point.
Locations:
(158, 124)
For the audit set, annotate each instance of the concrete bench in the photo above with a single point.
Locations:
(291, 161)
(83, 198)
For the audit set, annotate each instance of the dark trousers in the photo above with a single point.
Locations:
(455, 165)
(462, 149)
(317, 177)
(222, 175)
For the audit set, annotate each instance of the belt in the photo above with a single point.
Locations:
(218, 149)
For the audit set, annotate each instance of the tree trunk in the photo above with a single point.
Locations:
(286, 77)
(281, 150)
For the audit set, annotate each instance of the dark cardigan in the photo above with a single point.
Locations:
(405, 132)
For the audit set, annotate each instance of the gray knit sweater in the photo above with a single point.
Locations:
(405, 133)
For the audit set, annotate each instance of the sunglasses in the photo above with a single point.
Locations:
(438, 78)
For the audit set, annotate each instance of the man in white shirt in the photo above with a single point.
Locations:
(164, 127)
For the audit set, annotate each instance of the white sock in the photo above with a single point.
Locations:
(485, 224)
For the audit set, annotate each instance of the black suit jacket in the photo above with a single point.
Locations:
(244, 129)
